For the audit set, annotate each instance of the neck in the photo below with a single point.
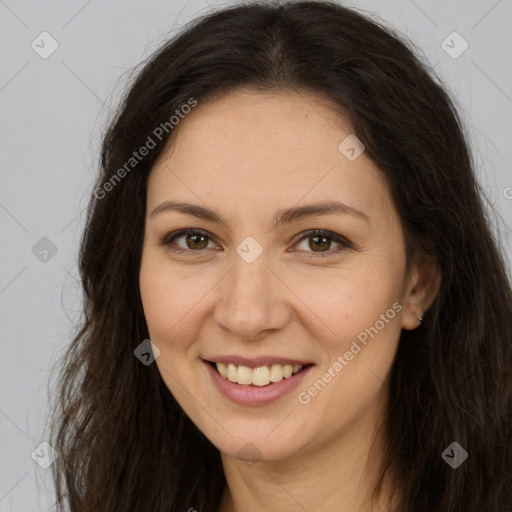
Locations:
(340, 475)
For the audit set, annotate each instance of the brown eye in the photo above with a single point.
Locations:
(320, 242)
(191, 240)
(196, 241)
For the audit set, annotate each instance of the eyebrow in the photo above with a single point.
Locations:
(282, 217)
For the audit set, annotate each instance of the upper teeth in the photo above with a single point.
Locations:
(260, 376)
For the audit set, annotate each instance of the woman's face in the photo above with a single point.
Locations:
(255, 288)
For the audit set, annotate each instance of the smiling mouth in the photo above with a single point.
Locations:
(261, 376)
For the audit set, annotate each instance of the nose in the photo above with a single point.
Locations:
(253, 301)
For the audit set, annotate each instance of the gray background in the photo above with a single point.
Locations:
(53, 112)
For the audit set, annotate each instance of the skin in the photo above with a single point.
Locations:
(247, 156)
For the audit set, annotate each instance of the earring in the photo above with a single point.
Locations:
(420, 319)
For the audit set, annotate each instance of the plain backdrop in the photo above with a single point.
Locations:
(53, 110)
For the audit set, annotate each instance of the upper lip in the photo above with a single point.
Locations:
(255, 362)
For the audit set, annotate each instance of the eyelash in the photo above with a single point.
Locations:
(343, 243)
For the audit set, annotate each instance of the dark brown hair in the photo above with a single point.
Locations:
(124, 442)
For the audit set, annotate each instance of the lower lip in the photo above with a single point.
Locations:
(255, 395)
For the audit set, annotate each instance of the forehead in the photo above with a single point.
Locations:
(265, 149)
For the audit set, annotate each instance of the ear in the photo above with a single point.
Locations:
(420, 289)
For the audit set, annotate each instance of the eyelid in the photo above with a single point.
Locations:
(342, 241)
(170, 237)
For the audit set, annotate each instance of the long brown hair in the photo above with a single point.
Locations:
(124, 442)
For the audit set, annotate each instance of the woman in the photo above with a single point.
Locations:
(287, 209)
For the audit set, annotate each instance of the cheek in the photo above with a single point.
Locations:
(345, 303)
(159, 305)
(168, 299)
(357, 324)
(168, 302)
(362, 314)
